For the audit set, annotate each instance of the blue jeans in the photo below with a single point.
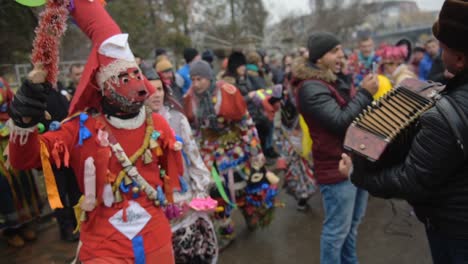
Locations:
(344, 205)
(447, 250)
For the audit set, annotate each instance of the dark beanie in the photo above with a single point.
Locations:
(190, 54)
(320, 43)
(452, 26)
(201, 68)
(159, 51)
(235, 60)
(208, 56)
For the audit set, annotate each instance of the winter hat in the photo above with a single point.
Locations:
(163, 66)
(452, 26)
(190, 54)
(253, 58)
(208, 56)
(320, 43)
(235, 60)
(149, 72)
(201, 68)
(159, 51)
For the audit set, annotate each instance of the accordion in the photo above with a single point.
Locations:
(385, 129)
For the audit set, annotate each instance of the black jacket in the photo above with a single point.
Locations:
(434, 175)
(324, 100)
(436, 73)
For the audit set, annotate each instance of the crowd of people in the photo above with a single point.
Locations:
(144, 163)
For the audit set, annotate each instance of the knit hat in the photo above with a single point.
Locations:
(163, 66)
(149, 72)
(452, 26)
(320, 43)
(159, 51)
(236, 59)
(201, 68)
(190, 54)
(208, 56)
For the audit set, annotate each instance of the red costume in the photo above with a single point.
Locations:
(126, 167)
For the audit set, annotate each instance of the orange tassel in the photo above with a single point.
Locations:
(158, 151)
(168, 190)
(51, 185)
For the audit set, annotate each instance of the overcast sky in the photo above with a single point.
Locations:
(281, 8)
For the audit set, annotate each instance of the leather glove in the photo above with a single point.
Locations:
(29, 102)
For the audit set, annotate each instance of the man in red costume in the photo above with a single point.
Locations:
(126, 159)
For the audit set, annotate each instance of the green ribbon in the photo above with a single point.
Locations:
(219, 185)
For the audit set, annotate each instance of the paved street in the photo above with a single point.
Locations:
(292, 238)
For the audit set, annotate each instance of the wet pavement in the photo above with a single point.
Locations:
(386, 236)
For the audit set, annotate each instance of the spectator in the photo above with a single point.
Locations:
(74, 75)
(166, 72)
(393, 63)
(432, 52)
(190, 55)
(360, 64)
(208, 56)
(416, 58)
(329, 103)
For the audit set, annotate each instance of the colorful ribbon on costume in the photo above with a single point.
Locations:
(84, 132)
(138, 250)
(219, 185)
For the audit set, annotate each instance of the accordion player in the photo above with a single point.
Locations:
(383, 132)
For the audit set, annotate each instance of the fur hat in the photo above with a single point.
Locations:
(163, 65)
(236, 59)
(452, 26)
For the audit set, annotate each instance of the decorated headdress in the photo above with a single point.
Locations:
(109, 56)
(392, 53)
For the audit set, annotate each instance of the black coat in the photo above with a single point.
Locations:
(436, 73)
(434, 175)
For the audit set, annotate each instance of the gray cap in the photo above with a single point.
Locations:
(201, 68)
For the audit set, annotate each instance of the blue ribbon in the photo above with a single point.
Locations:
(124, 188)
(186, 159)
(183, 185)
(231, 164)
(84, 132)
(138, 250)
(161, 196)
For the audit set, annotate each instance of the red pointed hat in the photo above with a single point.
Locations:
(109, 56)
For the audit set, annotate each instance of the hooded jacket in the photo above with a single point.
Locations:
(328, 104)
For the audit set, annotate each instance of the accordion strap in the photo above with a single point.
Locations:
(456, 119)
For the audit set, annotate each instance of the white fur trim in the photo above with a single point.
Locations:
(129, 124)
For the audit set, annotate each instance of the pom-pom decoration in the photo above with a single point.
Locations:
(52, 26)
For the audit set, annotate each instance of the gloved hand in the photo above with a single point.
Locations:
(29, 104)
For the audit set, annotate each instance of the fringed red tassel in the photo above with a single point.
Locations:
(52, 26)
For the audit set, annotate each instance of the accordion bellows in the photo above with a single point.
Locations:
(390, 119)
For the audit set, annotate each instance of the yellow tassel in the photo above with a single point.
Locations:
(118, 197)
(83, 216)
(77, 209)
(127, 180)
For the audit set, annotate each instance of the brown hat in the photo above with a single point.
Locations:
(163, 65)
(452, 26)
